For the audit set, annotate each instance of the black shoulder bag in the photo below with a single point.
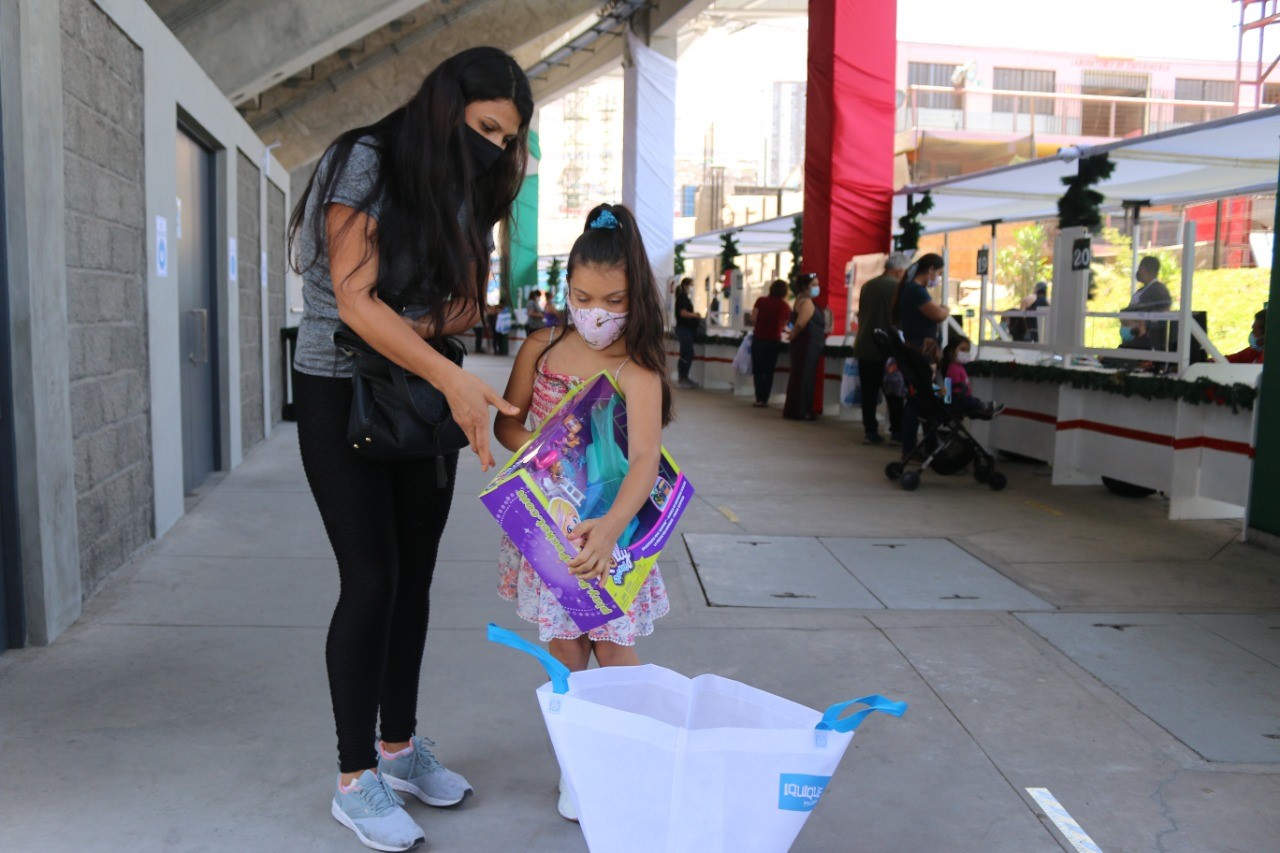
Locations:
(397, 416)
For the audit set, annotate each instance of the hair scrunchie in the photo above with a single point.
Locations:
(606, 219)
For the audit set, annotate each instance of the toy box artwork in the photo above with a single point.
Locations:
(571, 470)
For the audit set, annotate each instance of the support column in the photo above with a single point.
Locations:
(848, 166)
(1264, 500)
(649, 141)
(35, 205)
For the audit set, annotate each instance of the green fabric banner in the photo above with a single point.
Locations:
(524, 234)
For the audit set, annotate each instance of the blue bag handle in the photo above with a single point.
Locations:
(831, 720)
(558, 672)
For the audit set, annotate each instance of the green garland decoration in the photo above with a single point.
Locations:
(553, 277)
(797, 246)
(911, 225)
(1198, 392)
(1079, 204)
(728, 251)
(677, 263)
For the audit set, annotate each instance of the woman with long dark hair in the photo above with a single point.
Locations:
(808, 336)
(392, 239)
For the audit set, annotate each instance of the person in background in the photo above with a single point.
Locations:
(492, 313)
(1028, 328)
(918, 317)
(533, 308)
(808, 337)
(951, 369)
(768, 319)
(1136, 334)
(1153, 296)
(1252, 354)
(875, 302)
(686, 327)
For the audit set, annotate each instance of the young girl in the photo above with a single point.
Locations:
(954, 357)
(614, 322)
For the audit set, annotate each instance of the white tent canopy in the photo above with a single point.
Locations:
(767, 235)
(1232, 156)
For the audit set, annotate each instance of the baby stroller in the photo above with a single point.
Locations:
(947, 447)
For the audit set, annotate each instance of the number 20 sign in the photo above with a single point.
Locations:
(1081, 254)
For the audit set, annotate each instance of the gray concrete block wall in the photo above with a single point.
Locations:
(248, 248)
(106, 289)
(277, 223)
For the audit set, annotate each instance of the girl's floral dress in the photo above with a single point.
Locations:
(518, 582)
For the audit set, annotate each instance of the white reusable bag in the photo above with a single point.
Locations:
(742, 358)
(656, 761)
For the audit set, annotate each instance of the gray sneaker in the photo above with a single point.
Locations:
(373, 812)
(420, 773)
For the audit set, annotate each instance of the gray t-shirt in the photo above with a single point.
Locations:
(316, 354)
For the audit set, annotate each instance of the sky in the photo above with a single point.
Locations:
(739, 102)
(1177, 29)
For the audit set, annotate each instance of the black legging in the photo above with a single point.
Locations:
(384, 522)
(764, 361)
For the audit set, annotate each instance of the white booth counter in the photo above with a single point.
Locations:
(713, 369)
(1199, 455)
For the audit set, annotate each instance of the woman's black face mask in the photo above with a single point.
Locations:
(484, 154)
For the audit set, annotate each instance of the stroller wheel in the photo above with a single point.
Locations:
(997, 481)
(981, 473)
(910, 481)
(893, 470)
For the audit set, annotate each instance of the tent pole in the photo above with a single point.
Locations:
(1188, 273)
(1137, 233)
(946, 283)
(991, 269)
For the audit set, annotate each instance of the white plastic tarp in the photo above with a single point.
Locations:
(649, 164)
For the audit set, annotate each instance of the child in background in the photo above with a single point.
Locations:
(951, 367)
(614, 322)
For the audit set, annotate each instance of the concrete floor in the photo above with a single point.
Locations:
(188, 708)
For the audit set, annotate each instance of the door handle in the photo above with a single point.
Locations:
(202, 314)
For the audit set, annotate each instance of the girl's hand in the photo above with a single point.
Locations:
(595, 540)
(469, 401)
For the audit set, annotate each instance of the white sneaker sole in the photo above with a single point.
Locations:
(341, 817)
(410, 788)
(565, 807)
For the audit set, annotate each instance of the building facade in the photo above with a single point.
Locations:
(143, 291)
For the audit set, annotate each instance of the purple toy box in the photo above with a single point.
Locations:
(570, 470)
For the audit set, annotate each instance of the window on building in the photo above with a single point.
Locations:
(1271, 93)
(933, 74)
(1202, 90)
(1023, 80)
(1114, 118)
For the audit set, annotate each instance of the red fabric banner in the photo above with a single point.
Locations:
(848, 177)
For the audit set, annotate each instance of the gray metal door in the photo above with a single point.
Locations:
(12, 627)
(192, 247)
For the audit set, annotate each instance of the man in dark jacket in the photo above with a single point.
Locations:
(875, 303)
(1153, 296)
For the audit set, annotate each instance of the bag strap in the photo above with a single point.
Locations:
(558, 672)
(831, 720)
